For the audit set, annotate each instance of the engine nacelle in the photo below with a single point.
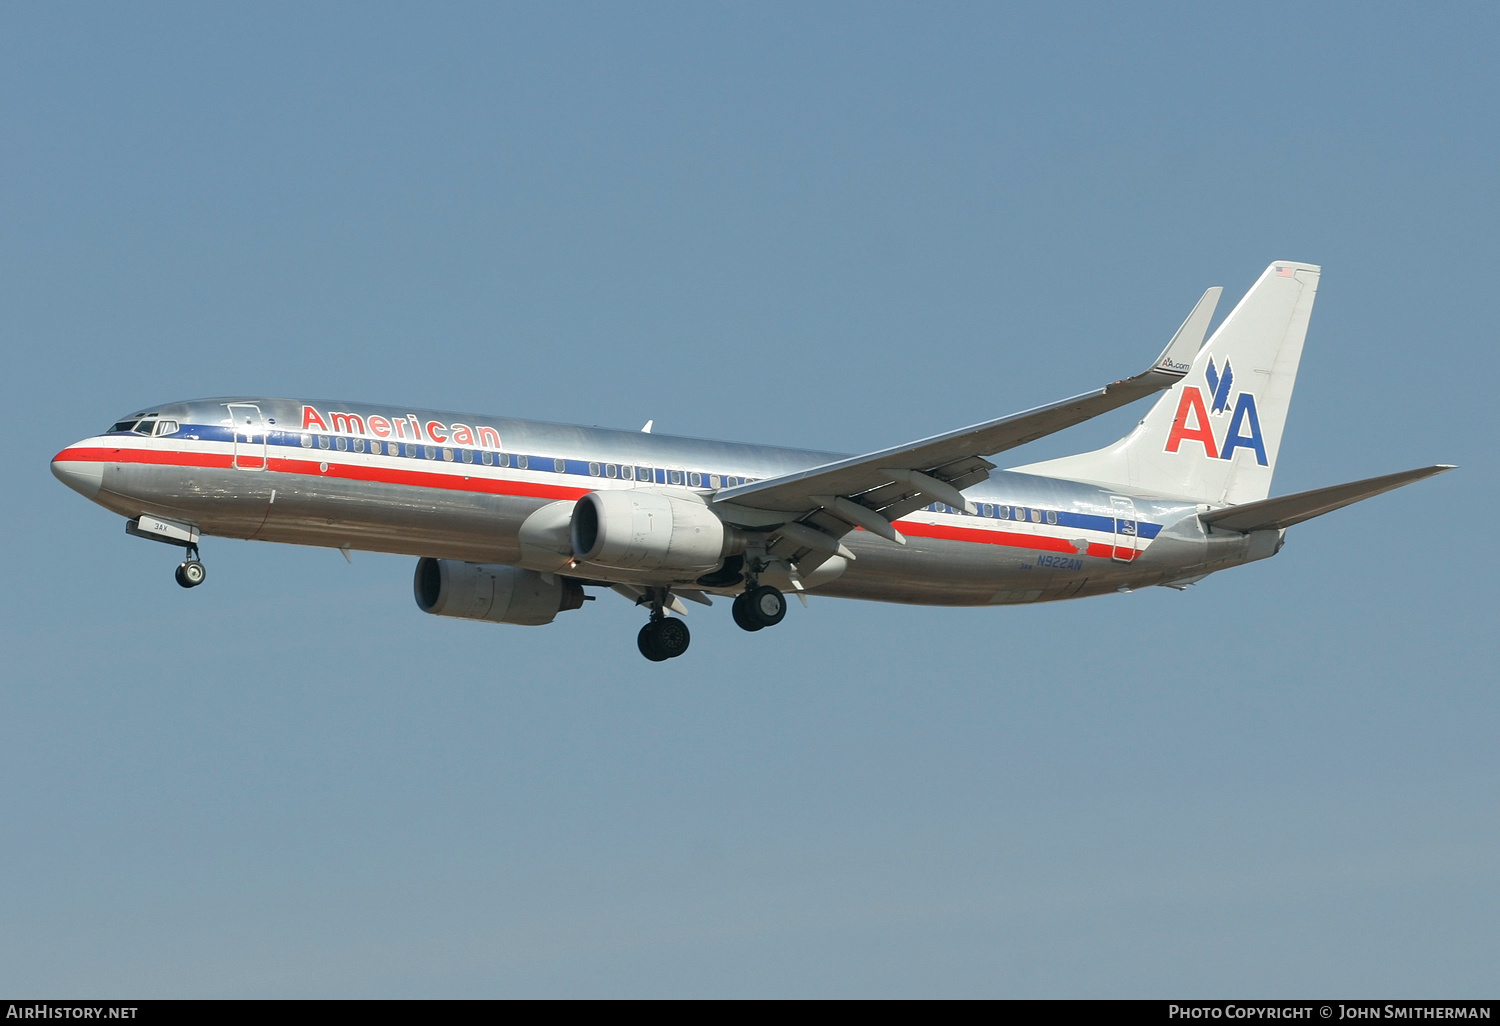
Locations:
(499, 594)
(639, 529)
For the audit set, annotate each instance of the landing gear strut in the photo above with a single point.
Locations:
(664, 637)
(760, 607)
(191, 572)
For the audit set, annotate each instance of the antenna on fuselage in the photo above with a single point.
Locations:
(647, 429)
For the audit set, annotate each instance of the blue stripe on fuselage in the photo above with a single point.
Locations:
(578, 468)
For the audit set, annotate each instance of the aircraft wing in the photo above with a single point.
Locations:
(1286, 510)
(885, 485)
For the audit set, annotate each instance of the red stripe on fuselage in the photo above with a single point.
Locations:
(1010, 539)
(531, 489)
(166, 457)
(312, 468)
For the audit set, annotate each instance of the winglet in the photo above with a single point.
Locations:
(1178, 356)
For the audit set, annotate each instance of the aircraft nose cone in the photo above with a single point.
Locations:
(83, 476)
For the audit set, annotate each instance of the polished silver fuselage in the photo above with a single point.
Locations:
(453, 486)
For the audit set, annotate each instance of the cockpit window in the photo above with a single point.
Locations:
(145, 427)
(166, 427)
(124, 425)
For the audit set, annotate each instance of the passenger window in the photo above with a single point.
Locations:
(359, 445)
(322, 441)
(448, 455)
(1052, 516)
(523, 462)
(307, 441)
(643, 474)
(695, 479)
(674, 477)
(431, 452)
(1036, 516)
(502, 460)
(627, 473)
(593, 470)
(468, 455)
(713, 480)
(343, 444)
(488, 459)
(610, 470)
(561, 466)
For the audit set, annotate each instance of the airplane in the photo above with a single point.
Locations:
(511, 520)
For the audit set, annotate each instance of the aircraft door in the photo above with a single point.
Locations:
(249, 431)
(1125, 547)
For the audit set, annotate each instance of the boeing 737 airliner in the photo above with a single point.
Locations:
(511, 520)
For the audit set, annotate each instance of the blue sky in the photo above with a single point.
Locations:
(841, 227)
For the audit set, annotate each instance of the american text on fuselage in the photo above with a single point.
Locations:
(514, 521)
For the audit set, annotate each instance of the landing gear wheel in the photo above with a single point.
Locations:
(191, 573)
(646, 642)
(766, 605)
(663, 639)
(758, 608)
(672, 637)
(743, 617)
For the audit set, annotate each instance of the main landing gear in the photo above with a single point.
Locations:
(666, 637)
(758, 608)
(663, 637)
(191, 572)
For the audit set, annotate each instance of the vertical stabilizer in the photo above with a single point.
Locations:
(1214, 436)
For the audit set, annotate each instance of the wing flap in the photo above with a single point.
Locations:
(1286, 510)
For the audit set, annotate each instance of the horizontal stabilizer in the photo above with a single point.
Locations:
(1286, 510)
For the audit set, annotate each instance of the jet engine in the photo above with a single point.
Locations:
(499, 594)
(638, 529)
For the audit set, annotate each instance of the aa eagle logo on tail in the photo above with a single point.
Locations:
(1192, 424)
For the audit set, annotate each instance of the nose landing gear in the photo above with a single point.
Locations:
(191, 572)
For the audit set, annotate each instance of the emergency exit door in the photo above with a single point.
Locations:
(1126, 529)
